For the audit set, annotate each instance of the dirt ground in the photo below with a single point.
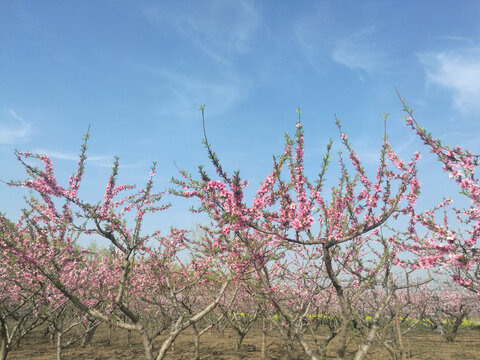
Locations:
(421, 344)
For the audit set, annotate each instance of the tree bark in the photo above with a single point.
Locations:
(4, 336)
(264, 338)
(373, 329)
(58, 339)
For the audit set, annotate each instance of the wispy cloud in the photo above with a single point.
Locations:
(188, 91)
(14, 129)
(312, 30)
(94, 160)
(468, 140)
(322, 37)
(458, 71)
(102, 161)
(455, 39)
(359, 53)
(222, 31)
(218, 28)
(135, 165)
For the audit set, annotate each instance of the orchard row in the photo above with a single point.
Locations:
(299, 256)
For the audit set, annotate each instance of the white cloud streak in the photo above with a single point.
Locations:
(458, 72)
(358, 53)
(322, 37)
(187, 91)
(218, 28)
(15, 129)
(97, 160)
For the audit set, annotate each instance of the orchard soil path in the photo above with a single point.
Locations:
(421, 344)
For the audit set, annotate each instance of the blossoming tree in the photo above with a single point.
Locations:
(138, 283)
(454, 246)
(284, 211)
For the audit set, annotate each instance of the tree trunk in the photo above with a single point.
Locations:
(451, 332)
(398, 330)
(3, 349)
(373, 329)
(264, 338)
(240, 336)
(129, 338)
(179, 325)
(196, 341)
(147, 345)
(168, 343)
(4, 336)
(109, 334)
(343, 335)
(307, 349)
(289, 348)
(344, 305)
(58, 338)
(87, 338)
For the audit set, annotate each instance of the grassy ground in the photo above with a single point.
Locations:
(422, 344)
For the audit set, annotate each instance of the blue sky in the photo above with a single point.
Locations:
(137, 72)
